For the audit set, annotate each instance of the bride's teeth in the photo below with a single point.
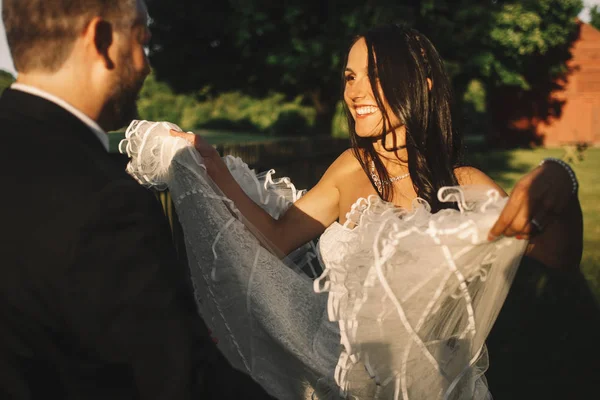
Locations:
(365, 110)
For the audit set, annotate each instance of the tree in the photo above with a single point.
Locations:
(518, 50)
(595, 17)
(297, 46)
(293, 46)
(531, 42)
(6, 79)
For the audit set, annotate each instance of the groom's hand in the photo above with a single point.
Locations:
(540, 196)
(211, 157)
(204, 148)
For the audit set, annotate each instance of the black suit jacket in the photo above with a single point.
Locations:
(93, 304)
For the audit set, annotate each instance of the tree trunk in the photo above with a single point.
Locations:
(324, 122)
(325, 108)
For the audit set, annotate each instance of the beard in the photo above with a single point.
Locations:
(122, 105)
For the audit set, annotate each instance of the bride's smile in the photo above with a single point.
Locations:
(365, 111)
(360, 99)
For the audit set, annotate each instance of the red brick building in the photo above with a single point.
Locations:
(558, 113)
(579, 119)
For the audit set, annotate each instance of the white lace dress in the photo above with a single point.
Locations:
(400, 310)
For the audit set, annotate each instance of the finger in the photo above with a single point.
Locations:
(539, 222)
(531, 219)
(525, 232)
(528, 229)
(520, 225)
(184, 135)
(503, 222)
(508, 214)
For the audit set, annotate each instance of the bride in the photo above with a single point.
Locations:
(416, 252)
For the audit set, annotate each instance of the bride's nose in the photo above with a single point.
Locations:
(358, 89)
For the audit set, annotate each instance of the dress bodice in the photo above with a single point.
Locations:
(335, 238)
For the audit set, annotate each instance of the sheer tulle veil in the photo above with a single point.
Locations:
(395, 304)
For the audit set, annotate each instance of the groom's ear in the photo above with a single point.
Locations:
(100, 37)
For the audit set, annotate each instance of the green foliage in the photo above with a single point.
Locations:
(499, 43)
(474, 109)
(260, 46)
(595, 17)
(475, 95)
(6, 79)
(518, 50)
(339, 126)
(522, 34)
(232, 111)
(157, 102)
(296, 47)
(271, 114)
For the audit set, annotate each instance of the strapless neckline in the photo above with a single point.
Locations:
(331, 242)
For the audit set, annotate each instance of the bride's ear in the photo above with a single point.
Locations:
(429, 83)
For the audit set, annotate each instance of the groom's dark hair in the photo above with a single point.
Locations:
(41, 33)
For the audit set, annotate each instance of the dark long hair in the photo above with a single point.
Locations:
(400, 60)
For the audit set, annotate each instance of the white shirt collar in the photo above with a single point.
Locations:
(93, 125)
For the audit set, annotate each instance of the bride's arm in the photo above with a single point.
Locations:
(544, 194)
(305, 220)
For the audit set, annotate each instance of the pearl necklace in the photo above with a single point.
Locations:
(380, 183)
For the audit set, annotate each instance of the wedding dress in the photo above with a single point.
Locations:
(394, 304)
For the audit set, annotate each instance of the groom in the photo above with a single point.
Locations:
(93, 304)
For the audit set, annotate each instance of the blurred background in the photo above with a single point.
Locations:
(261, 79)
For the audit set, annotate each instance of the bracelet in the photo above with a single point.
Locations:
(567, 168)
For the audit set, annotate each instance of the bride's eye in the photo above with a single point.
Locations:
(349, 77)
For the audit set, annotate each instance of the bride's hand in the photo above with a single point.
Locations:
(537, 199)
(212, 159)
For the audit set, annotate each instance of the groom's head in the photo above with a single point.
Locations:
(95, 43)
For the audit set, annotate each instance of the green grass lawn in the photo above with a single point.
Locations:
(506, 167)
(224, 137)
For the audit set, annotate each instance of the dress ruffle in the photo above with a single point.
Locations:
(401, 309)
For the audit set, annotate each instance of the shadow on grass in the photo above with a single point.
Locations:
(499, 165)
(544, 344)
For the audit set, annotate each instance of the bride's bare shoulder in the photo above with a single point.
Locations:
(345, 164)
(344, 169)
(472, 176)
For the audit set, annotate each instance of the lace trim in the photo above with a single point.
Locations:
(370, 211)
